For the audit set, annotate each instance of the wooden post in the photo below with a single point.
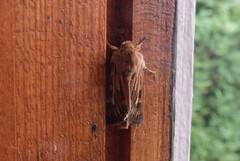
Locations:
(7, 110)
(182, 87)
(155, 21)
(52, 80)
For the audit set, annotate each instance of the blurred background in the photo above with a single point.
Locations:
(216, 106)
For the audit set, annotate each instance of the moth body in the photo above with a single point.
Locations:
(125, 84)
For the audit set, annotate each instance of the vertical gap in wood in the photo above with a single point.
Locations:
(119, 29)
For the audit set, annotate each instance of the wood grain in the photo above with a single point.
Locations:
(52, 84)
(52, 79)
(155, 21)
(7, 109)
(183, 80)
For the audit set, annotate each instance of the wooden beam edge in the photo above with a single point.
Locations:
(182, 80)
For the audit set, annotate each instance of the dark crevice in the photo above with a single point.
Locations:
(119, 29)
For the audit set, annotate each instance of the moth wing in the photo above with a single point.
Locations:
(118, 98)
(135, 114)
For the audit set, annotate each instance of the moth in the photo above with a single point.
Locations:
(124, 101)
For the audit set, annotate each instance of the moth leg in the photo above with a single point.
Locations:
(125, 126)
(149, 70)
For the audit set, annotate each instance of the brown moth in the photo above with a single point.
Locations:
(124, 103)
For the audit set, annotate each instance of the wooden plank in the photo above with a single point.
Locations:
(155, 21)
(183, 80)
(7, 117)
(53, 78)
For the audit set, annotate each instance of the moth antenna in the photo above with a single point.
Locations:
(112, 46)
(138, 47)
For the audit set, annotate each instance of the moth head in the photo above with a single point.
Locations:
(129, 44)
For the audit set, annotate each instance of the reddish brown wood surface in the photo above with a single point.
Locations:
(7, 117)
(155, 21)
(52, 80)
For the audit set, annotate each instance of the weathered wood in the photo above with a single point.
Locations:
(155, 21)
(52, 80)
(7, 109)
(183, 80)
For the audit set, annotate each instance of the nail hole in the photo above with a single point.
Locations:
(94, 127)
(61, 21)
(48, 18)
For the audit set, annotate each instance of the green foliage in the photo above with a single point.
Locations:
(216, 106)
